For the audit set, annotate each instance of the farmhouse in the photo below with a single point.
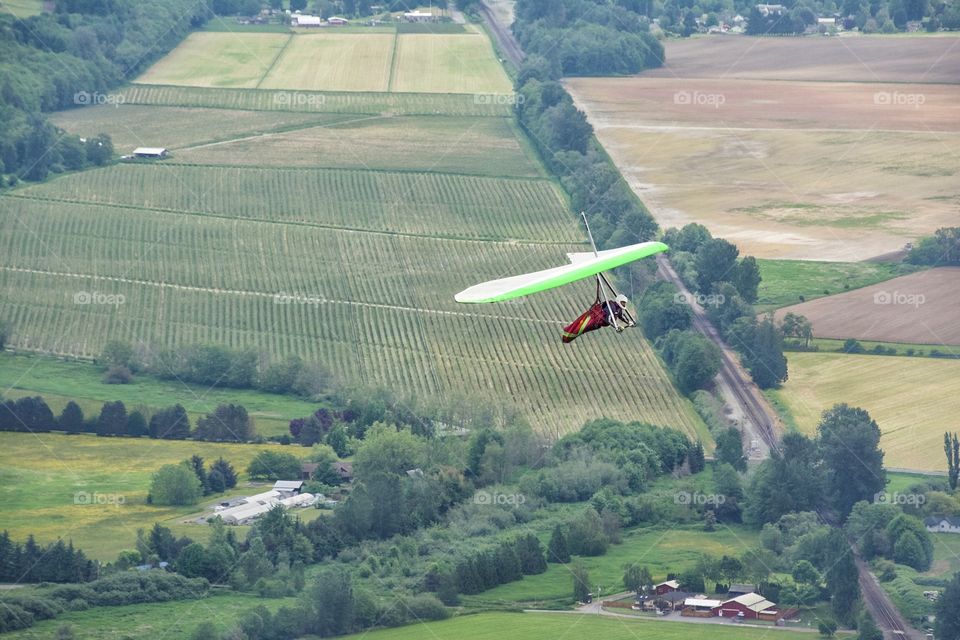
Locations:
(942, 525)
(344, 470)
(751, 606)
(666, 587)
(150, 152)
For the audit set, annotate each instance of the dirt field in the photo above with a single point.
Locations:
(921, 308)
(863, 59)
(914, 400)
(798, 170)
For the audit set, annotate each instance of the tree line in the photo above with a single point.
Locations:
(31, 414)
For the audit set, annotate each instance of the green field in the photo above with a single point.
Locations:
(785, 281)
(218, 60)
(663, 550)
(332, 62)
(42, 474)
(59, 381)
(918, 350)
(480, 146)
(912, 399)
(157, 620)
(448, 64)
(335, 61)
(546, 626)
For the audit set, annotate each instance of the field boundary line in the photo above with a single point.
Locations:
(393, 60)
(288, 298)
(254, 167)
(278, 132)
(276, 59)
(678, 128)
(315, 225)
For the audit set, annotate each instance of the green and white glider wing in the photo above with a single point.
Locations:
(583, 265)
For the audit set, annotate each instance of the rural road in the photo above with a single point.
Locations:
(748, 408)
(507, 44)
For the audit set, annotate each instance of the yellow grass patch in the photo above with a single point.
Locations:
(914, 400)
(207, 59)
(448, 64)
(334, 62)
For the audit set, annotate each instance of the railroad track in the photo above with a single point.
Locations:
(508, 44)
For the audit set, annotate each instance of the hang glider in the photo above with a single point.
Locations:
(611, 310)
(582, 265)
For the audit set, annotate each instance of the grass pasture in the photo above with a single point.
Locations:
(483, 146)
(920, 308)
(785, 281)
(212, 59)
(155, 620)
(132, 125)
(448, 64)
(42, 473)
(573, 626)
(662, 550)
(59, 381)
(21, 8)
(913, 400)
(333, 62)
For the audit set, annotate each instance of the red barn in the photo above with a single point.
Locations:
(666, 587)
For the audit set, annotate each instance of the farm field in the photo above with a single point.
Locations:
(375, 306)
(549, 626)
(662, 550)
(333, 62)
(448, 64)
(913, 400)
(913, 58)
(131, 125)
(207, 59)
(156, 620)
(786, 282)
(59, 381)
(484, 146)
(342, 61)
(781, 162)
(42, 473)
(920, 308)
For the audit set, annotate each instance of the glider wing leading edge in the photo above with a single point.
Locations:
(583, 265)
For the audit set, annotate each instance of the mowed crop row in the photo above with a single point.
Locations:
(412, 203)
(329, 61)
(456, 104)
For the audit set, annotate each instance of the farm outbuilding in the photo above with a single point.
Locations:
(751, 606)
(288, 487)
(666, 587)
(150, 152)
(305, 21)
